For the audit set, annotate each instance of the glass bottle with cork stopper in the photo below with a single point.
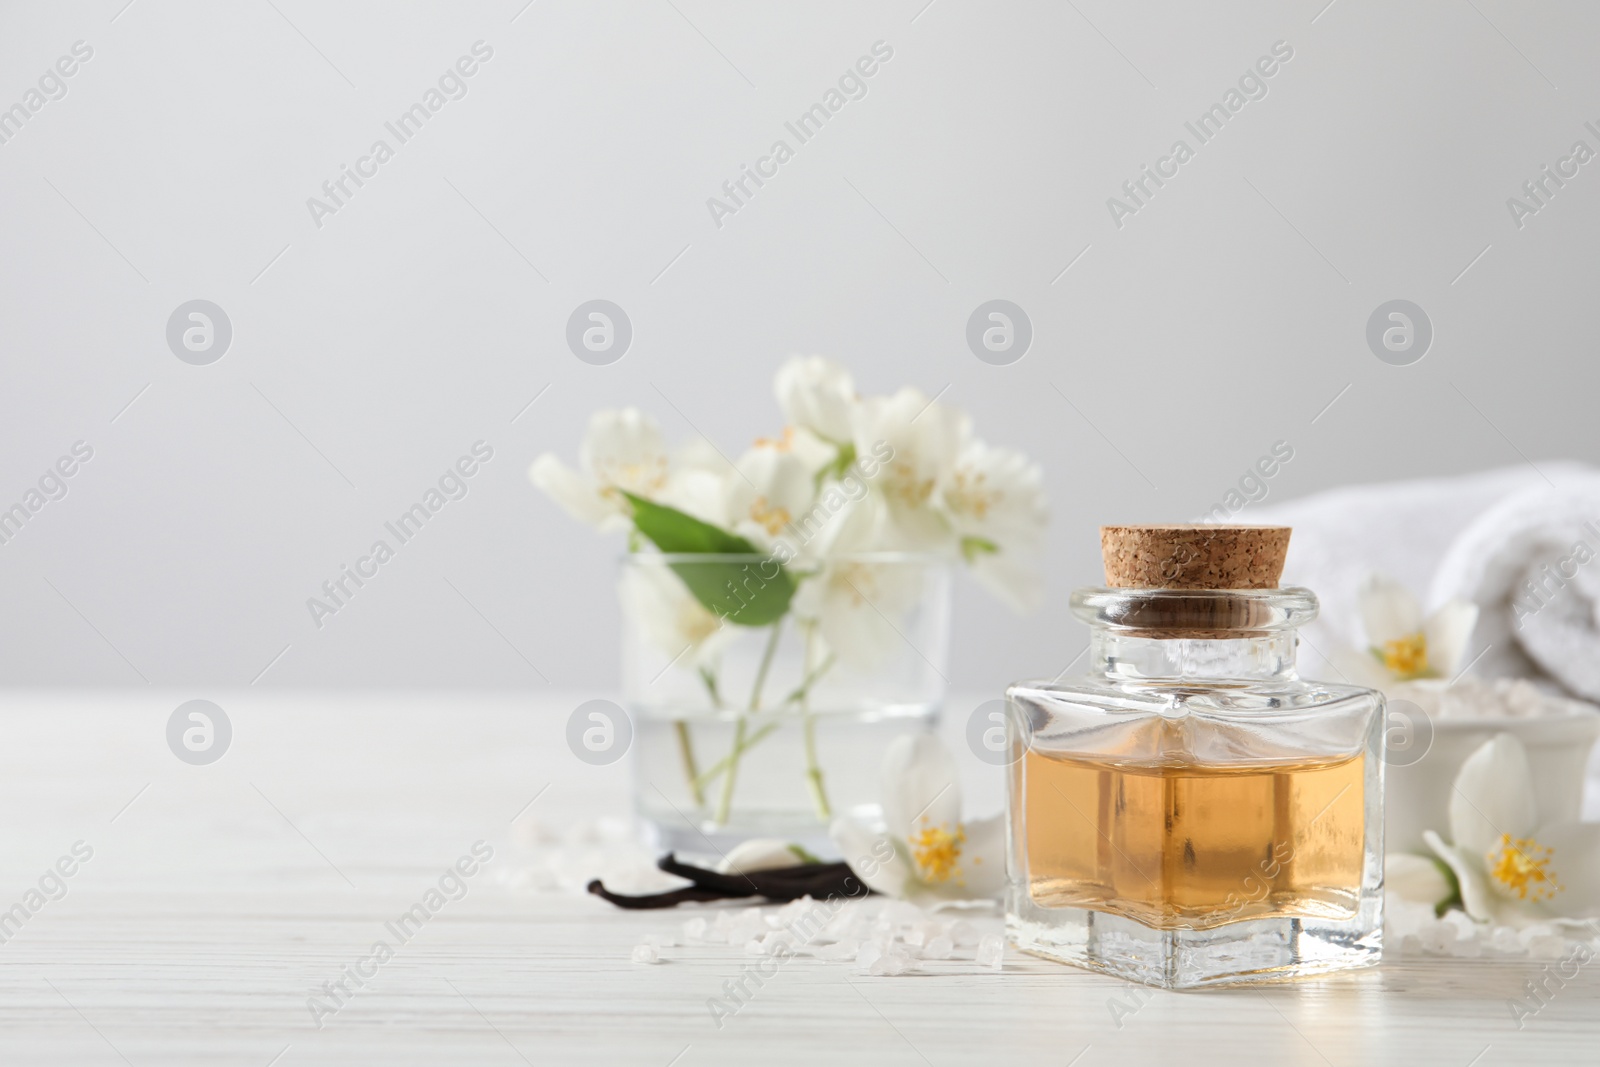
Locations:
(1191, 812)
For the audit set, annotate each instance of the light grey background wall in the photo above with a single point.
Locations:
(1170, 352)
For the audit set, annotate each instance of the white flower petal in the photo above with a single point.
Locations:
(1389, 611)
(1575, 860)
(699, 454)
(1476, 898)
(759, 854)
(983, 857)
(1493, 795)
(923, 437)
(623, 449)
(920, 786)
(872, 856)
(577, 495)
(996, 494)
(769, 491)
(848, 622)
(817, 394)
(697, 492)
(1449, 631)
(1416, 878)
(678, 625)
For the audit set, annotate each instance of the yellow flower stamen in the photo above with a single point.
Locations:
(642, 479)
(969, 493)
(902, 484)
(1523, 866)
(1407, 657)
(772, 519)
(937, 852)
(780, 444)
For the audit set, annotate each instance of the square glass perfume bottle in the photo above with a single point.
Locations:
(1191, 812)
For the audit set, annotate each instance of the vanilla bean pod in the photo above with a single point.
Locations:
(819, 881)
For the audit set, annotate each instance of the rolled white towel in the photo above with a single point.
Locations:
(1402, 530)
(1398, 529)
(1532, 565)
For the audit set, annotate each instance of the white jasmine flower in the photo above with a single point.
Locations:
(621, 451)
(654, 599)
(926, 438)
(1513, 869)
(926, 854)
(854, 597)
(994, 498)
(770, 489)
(1408, 645)
(818, 395)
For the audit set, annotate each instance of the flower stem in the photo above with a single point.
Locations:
(710, 774)
(725, 802)
(801, 691)
(819, 794)
(690, 772)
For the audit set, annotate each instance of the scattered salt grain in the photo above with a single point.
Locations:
(938, 948)
(867, 956)
(963, 933)
(890, 964)
(1437, 937)
(991, 952)
(839, 950)
(646, 953)
(695, 929)
(772, 943)
(1527, 934)
(1504, 939)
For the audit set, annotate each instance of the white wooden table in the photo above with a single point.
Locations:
(219, 898)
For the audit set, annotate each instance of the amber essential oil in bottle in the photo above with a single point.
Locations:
(1191, 812)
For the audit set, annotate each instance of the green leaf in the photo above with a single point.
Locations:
(753, 592)
(973, 547)
(1454, 899)
(836, 468)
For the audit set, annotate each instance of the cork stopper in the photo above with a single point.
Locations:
(1194, 557)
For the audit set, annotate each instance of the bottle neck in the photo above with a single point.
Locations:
(1263, 657)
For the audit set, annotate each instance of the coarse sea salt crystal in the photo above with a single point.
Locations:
(775, 940)
(963, 933)
(839, 950)
(867, 956)
(695, 929)
(1504, 939)
(646, 953)
(1438, 937)
(892, 964)
(1528, 933)
(992, 952)
(938, 948)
